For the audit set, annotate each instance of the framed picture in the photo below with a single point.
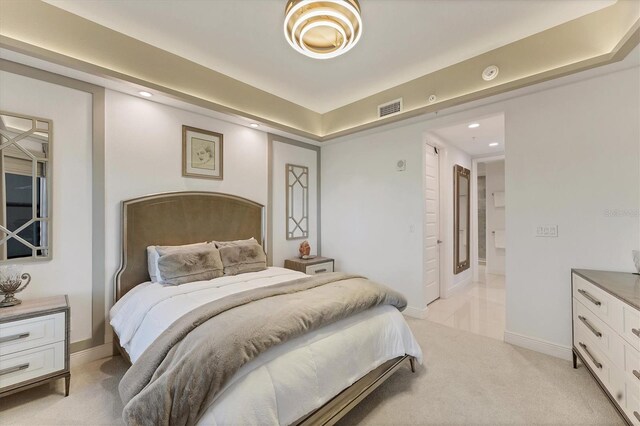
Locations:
(201, 153)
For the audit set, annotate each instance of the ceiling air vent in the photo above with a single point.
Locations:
(390, 108)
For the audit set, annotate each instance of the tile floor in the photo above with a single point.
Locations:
(478, 308)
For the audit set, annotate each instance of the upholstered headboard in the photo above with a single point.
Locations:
(178, 218)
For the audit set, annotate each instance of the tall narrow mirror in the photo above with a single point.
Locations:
(25, 185)
(297, 202)
(462, 206)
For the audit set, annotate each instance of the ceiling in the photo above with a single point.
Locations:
(402, 40)
(475, 142)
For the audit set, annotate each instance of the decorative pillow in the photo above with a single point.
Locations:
(241, 258)
(190, 264)
(153, 256)
(220, 244)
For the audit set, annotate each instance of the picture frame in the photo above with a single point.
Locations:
(202, 153)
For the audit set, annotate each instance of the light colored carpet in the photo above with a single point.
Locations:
(467, 380)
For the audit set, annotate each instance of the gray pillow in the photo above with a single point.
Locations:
(185, 266)
(153, 255)
(241, 258)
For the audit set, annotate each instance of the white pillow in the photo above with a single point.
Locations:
(153, 256)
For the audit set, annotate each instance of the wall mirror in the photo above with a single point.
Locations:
(462, 205)
(25, 187)
(297, 202)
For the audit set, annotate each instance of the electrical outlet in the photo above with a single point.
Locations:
(549, 231)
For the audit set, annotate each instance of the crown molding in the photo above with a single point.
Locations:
(596, 39)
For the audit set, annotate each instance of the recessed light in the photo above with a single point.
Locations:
(494, 144)
(254, 125)
(474, 125)
(490, 73)
(145, 94)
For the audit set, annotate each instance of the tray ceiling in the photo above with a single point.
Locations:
(402, 40)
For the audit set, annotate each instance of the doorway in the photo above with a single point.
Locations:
(469, 298)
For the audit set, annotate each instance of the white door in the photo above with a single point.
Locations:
(432, 225)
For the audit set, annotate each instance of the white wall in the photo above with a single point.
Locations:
(572, 154)
(372, 215)
(69, 271)
(495, 217)
(283, 154)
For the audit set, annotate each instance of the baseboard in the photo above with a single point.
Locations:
(538, 345)
(458, 287)
(412, 312)
(92, 354)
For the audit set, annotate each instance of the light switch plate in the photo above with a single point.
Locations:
(549, 231)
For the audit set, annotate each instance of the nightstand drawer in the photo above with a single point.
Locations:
(319, 268)
(31, 364)
(30, 333)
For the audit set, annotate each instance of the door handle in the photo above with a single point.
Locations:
(439, 241)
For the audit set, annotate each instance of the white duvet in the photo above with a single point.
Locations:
(286, 382)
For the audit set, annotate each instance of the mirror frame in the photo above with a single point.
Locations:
(460, 172)
(302, 223)
(48, 177)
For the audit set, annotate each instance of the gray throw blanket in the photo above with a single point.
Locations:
(182, 371)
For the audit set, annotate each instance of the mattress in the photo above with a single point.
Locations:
(286, 382)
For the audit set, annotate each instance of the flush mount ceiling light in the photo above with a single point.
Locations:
(473, 125)
(322, 29)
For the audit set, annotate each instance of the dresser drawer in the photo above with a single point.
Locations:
(599, 333)
(31, 332)
(632, 408)
(632, 364)
(319, 268)
(31, 364)
(631, 327)
(593, 356)
(598, 301)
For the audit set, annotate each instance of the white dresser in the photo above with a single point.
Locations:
(34, 344)
(606, 334)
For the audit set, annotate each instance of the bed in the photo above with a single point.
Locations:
(311, 379)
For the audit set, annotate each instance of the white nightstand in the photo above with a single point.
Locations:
(34, 344)
(317, 265)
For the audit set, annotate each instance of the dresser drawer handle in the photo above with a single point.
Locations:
(595, 361)
(589, 297)
(637, 374)
(636, 331)
(589, 326)
(318, 271)
(14, 337)
(14, 369)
